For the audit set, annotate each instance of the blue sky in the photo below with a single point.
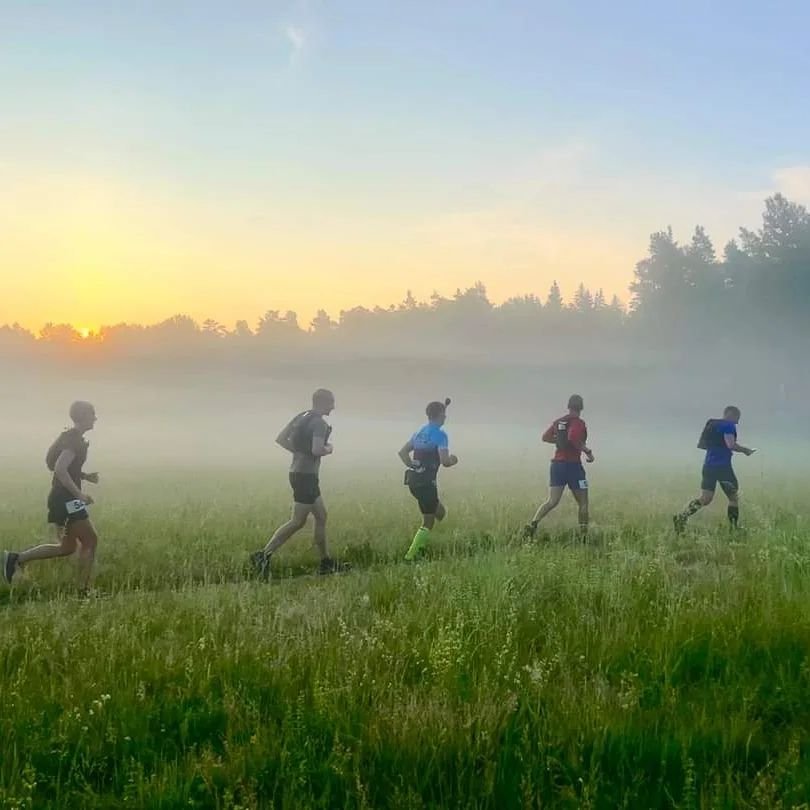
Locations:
(219, 150)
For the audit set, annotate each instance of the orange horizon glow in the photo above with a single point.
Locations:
(97, 250)
(92, 250)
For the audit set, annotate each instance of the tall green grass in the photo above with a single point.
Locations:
(636, 671)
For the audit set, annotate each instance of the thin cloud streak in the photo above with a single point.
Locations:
(297, 41)
(792, 181)
(296, 37)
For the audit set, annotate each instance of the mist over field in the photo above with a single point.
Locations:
(643, 421)
(701, 332)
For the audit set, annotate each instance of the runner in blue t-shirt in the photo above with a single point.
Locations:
(423, 454)
(719, 440)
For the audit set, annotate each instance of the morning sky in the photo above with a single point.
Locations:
(222, 159)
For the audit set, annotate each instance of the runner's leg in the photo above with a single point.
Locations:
(320, 514)
(732, 493)
(693, 507)
(554, 496)
(581, 497)
(85, 533)
(300, 513)
(708, 485)
(432, 510)
(64, 547)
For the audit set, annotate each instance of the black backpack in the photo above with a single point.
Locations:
(561, 435)
(301, 432)
(710, 437)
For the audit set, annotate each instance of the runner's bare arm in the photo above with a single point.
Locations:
(577, 437)
(60, 470)
(580, 445)
(731, 443)
(320, 447)
(284, 439)
(550, 436)
(405, 453)
(447, 458)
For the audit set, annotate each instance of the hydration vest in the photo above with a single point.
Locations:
(55, 450)
(301, 432)
(710, 437)
(561, 434)
(53, 454)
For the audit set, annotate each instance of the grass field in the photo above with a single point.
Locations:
(638, 671)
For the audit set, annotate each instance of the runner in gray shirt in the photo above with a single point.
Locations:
(306, 436)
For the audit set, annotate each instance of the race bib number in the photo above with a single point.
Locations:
(583, 484)
(73, 507)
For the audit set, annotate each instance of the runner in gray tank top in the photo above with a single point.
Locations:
(306, 437)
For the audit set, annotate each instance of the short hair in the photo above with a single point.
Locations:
(575, 402)
(436, 409)
(732, 410)
(323, 396)
(79, 409)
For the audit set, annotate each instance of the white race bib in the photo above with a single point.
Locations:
(75, 506)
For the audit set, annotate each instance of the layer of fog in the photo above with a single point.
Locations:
(208, 424)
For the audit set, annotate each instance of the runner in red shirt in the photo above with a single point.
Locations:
(570, 434)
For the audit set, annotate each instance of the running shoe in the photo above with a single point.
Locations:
(261, 564)
(9, 565)
(330, 566)
(529, 531)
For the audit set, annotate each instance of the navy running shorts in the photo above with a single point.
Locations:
(569, 474)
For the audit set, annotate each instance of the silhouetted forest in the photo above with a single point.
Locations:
(683, 295)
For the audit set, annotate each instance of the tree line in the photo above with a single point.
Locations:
(681, 292)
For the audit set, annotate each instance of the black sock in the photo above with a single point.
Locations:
(734, 516)
(691, 508)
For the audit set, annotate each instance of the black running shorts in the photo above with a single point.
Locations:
(723, 474)
(62, 509)
(306, 487)
(427, 496)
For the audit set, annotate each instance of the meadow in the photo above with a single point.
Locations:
(636, 671)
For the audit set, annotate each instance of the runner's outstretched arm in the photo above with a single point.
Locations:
(731, 443)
